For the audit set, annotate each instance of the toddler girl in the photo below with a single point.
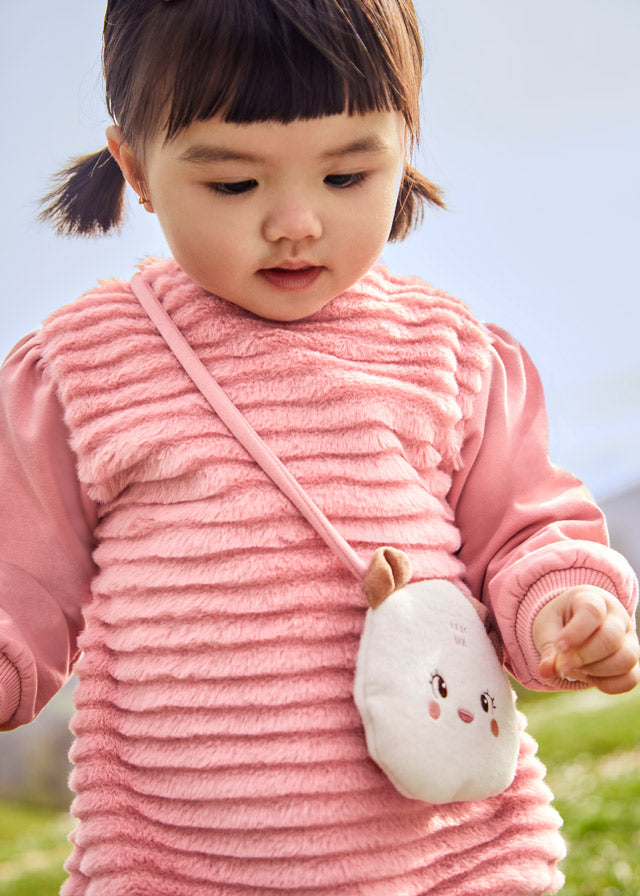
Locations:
(218, 748)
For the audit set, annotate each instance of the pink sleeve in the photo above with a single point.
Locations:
(529, 530)
(47, 526)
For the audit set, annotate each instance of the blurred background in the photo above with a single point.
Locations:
(531, 124)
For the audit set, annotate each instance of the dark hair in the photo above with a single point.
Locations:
(169, 64)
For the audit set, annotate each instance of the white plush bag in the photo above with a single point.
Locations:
(437, 707)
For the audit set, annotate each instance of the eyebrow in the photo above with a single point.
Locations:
(205, 154)
(369, 144)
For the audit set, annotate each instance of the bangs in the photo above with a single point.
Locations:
(268, 60)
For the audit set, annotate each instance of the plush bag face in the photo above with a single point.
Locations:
(438, 710)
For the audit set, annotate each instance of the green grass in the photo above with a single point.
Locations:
(589, 742)
(33, 848)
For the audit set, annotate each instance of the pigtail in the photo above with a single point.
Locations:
(87, 197)
(415, 190)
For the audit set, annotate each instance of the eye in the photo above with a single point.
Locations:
(487, 702)
(342, 181)
(233, 187)
(439, 685)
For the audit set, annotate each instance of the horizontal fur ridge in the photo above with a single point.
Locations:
(218, 749)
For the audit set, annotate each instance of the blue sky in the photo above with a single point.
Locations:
(531, 123)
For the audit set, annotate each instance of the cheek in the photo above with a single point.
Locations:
(495, 730)
(434, 710)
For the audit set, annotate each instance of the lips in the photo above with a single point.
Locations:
(292, 276)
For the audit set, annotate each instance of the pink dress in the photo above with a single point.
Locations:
(218, 748)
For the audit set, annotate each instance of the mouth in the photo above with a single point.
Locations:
(292, 276)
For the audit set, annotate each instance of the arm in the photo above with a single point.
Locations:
(529, 530)
(46, 526)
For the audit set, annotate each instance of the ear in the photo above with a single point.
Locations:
(389, 570)
(129, 164)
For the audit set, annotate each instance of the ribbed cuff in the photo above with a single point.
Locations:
(9, 690)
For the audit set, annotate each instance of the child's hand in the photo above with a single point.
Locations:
(585, 634)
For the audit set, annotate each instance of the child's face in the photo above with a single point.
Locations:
(278, 218)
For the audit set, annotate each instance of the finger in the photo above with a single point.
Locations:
(547, 665)
(617, 684)
(547, 627)
(612, 637)
(588, 612)
(621, 662)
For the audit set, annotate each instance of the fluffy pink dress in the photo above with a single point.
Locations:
(218, 748)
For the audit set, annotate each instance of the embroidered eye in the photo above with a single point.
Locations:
(487, 702)
(439, 685)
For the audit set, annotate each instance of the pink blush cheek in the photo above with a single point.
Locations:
(495, 730)
(434, 710)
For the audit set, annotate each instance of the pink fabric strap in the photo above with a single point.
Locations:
(244, 433)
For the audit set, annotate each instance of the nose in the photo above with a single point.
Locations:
(293, 220)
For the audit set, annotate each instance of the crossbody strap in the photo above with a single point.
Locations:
(241, 429)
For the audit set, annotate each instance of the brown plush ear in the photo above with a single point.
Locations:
(389, 570)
